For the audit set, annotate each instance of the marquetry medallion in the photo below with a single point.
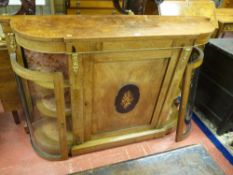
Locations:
(127, 98)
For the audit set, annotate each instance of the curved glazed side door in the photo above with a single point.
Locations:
(188, 94)
(46, 120)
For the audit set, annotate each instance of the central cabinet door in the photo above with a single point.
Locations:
(122, 89)
(125, 93)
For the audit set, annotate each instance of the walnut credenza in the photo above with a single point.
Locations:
(101, 82)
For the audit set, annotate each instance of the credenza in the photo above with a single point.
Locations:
(91, 82)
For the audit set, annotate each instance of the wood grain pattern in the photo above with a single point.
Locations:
(174, 86)
(126, 138)
(60, 110)
(81, 27)
(138, 50)
(147, 75)
(76, 82)
(165, 85)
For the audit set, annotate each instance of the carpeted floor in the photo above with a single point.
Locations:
(190, 160)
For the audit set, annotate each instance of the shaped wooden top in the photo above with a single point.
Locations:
(55, 28)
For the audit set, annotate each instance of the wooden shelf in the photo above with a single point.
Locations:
(48, 108)
(46, 136)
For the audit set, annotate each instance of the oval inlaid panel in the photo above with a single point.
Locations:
(127, 98)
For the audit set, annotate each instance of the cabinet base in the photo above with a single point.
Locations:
(110, 142)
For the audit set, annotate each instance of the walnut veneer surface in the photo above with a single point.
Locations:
(123, 75)
(54, 28)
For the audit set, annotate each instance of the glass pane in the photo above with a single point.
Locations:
(42, 103)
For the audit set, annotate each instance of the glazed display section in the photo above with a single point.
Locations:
(94, 82)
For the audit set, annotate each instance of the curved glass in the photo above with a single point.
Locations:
(188, 94)
(44, 119)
